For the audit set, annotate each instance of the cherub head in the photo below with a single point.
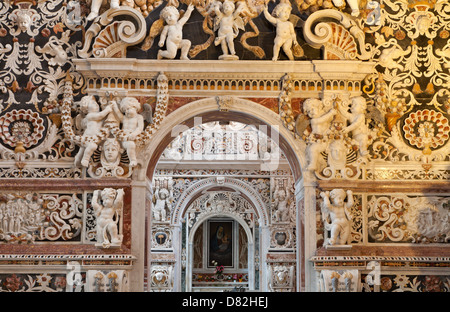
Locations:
(88, 104)
(170, 14)
(23, 20)
(108, 196)
(111, 151)
(228, 7)
(337, 197)
(358, 104)
(282, 11)
(130, 106)
(312, 107)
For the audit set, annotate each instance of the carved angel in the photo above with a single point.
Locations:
(286, 37)
(357, 126)
(172, 33)
(162, 200)
(132, 125)
(227, 22)
(91, 122)
(108, 211)
(320, 124)
(280, 203)
(338, 211)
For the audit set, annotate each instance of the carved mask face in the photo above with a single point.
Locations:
(111, 151)
(23, 21)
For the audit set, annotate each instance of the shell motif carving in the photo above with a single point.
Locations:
(341, 46)
(108, 43)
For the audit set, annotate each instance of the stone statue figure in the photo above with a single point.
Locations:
(285, 34)
(335, 208)
(320, 124)
(227, 22)
(108, 211)
(91, 123)
(280, 202)
(162, 199)
(132, 125)
(358, 126)
(172, 33)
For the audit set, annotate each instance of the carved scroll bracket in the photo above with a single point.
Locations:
(109, 37)
(320, 33)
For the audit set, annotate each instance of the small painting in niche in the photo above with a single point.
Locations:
(220, 247)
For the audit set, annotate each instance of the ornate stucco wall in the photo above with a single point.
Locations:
(89, 102)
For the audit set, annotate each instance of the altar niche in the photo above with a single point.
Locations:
(220, 243)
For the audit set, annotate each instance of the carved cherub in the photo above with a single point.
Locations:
(95, 7)
(339, 212)
(358, 126)
(111, 151)
(227, 22)
(91, 123)
(162, 201)
(132, 125)
(172, 33)
(107, 213)
(285, 34)
(23, 20)
(280, 202)
(320, 123)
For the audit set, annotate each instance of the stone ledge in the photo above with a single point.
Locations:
(432, 253)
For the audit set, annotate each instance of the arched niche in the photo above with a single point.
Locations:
(208, 110)
(234, 109)
(202, 187)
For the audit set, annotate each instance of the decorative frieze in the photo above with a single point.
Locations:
(34, 217)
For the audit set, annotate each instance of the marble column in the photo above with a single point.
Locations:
(138, 207)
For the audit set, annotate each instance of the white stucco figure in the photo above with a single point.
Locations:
(108, 211)
(132, 125)
(172, 33)
(95, 7)
(335, 208)
(91, 124)
(162, 200)
(228, 23)
(285, 34)
(357, 126)
(320, 123)
(280, 203)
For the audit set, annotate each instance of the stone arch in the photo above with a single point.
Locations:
(227, 109)
(213, 109)
(197, 188)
